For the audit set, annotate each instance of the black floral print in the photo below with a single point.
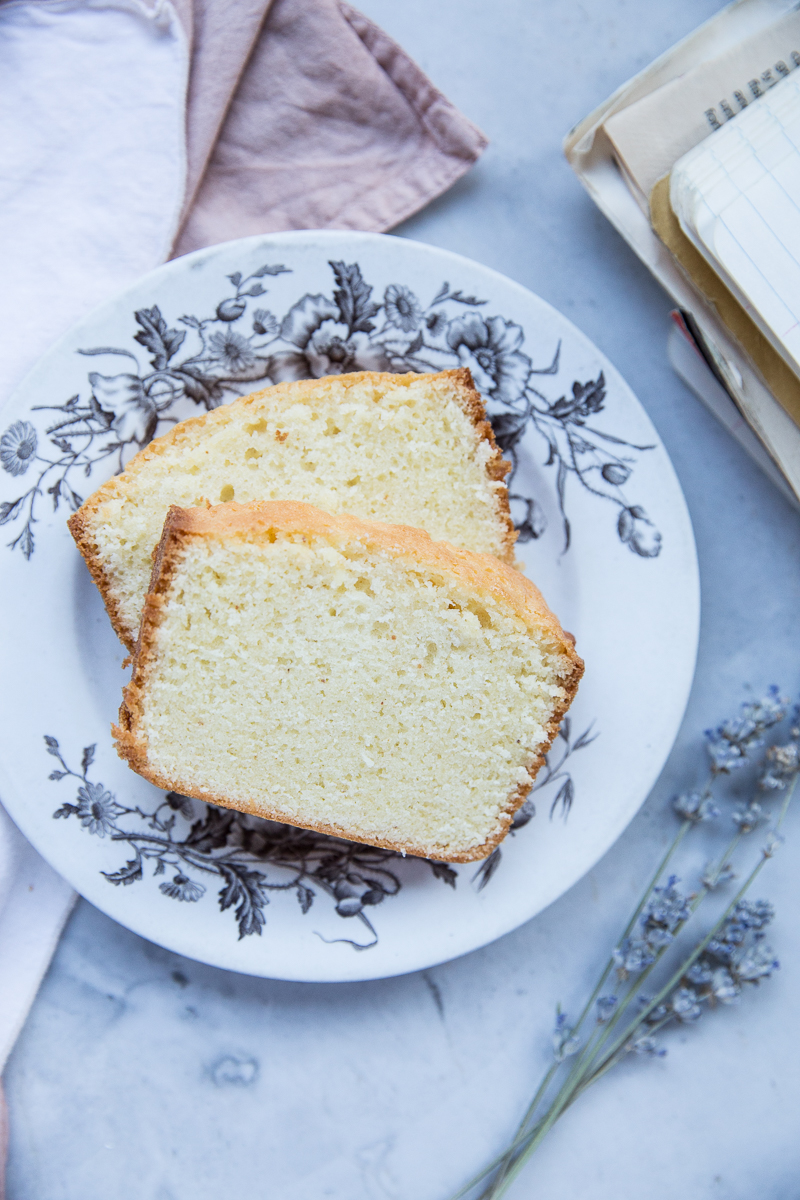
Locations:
(202, 362)
(196, 842)
(491, 349)
(17, 447)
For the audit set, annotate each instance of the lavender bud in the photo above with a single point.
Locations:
(694, 806)
(724, 988)
(683, 1003)
(632, 956)
(699, 973)
(564, 1044)
(659, 1013)
(646, 1045)
(719, 950)
(667, 907)
(724, 756)
(783, 763)
(753, 914)
(657, 938)
(774, 840)
(755, 963)
(730, 744)
(712, 877)
(605, 1008)
(747, 818)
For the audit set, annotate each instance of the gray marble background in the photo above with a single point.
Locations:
(142, 1076)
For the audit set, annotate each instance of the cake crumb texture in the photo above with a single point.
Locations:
(346, 676)
(409, 449)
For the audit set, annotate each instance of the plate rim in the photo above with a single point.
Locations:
(692, 616)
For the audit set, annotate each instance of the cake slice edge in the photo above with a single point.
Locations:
(81, 523)
(265, 519)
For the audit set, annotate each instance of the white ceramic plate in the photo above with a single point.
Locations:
(604, 532)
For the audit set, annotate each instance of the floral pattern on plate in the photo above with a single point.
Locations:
(228, 844)
(589, 475)
(216, 357)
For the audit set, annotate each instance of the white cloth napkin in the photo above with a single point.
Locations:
(91, 185)
(92, 99)
(34, 904)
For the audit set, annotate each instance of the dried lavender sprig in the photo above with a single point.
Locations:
(743, 733)
(524, 1131)
(730, 744)
(756, 717)
(579, 1079)
(548, 1077)
(620, 1047)
(739, 735)
(699, 808)
(789, 758)
(569, 1094)
(766, 854)
(516, 1157)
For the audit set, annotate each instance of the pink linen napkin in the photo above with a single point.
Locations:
(302, 114)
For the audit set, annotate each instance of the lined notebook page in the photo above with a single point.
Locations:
(650, 135)
(737, 197)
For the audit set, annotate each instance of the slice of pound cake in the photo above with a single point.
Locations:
(345, 676)
(410, 449)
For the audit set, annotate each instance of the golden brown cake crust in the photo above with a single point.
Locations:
(80, 526)
(465, 392)
(262, 521)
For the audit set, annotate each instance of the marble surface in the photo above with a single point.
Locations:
(143, 1076)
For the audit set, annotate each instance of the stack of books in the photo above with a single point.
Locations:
(696, 162)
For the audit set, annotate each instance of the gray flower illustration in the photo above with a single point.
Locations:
(640, 534)
(182, 888)
(490, 347)
(97, 809)
(231, 349)
(231, 309)
(337, 333)
(264, 322)
(402, 307)
(121, 402)
(17, 447)
(236, 848)
(331, 351)
(326, 346)
(616, 473)
(436, 323)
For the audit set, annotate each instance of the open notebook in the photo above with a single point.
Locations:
(624, 152)
(737, 197)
